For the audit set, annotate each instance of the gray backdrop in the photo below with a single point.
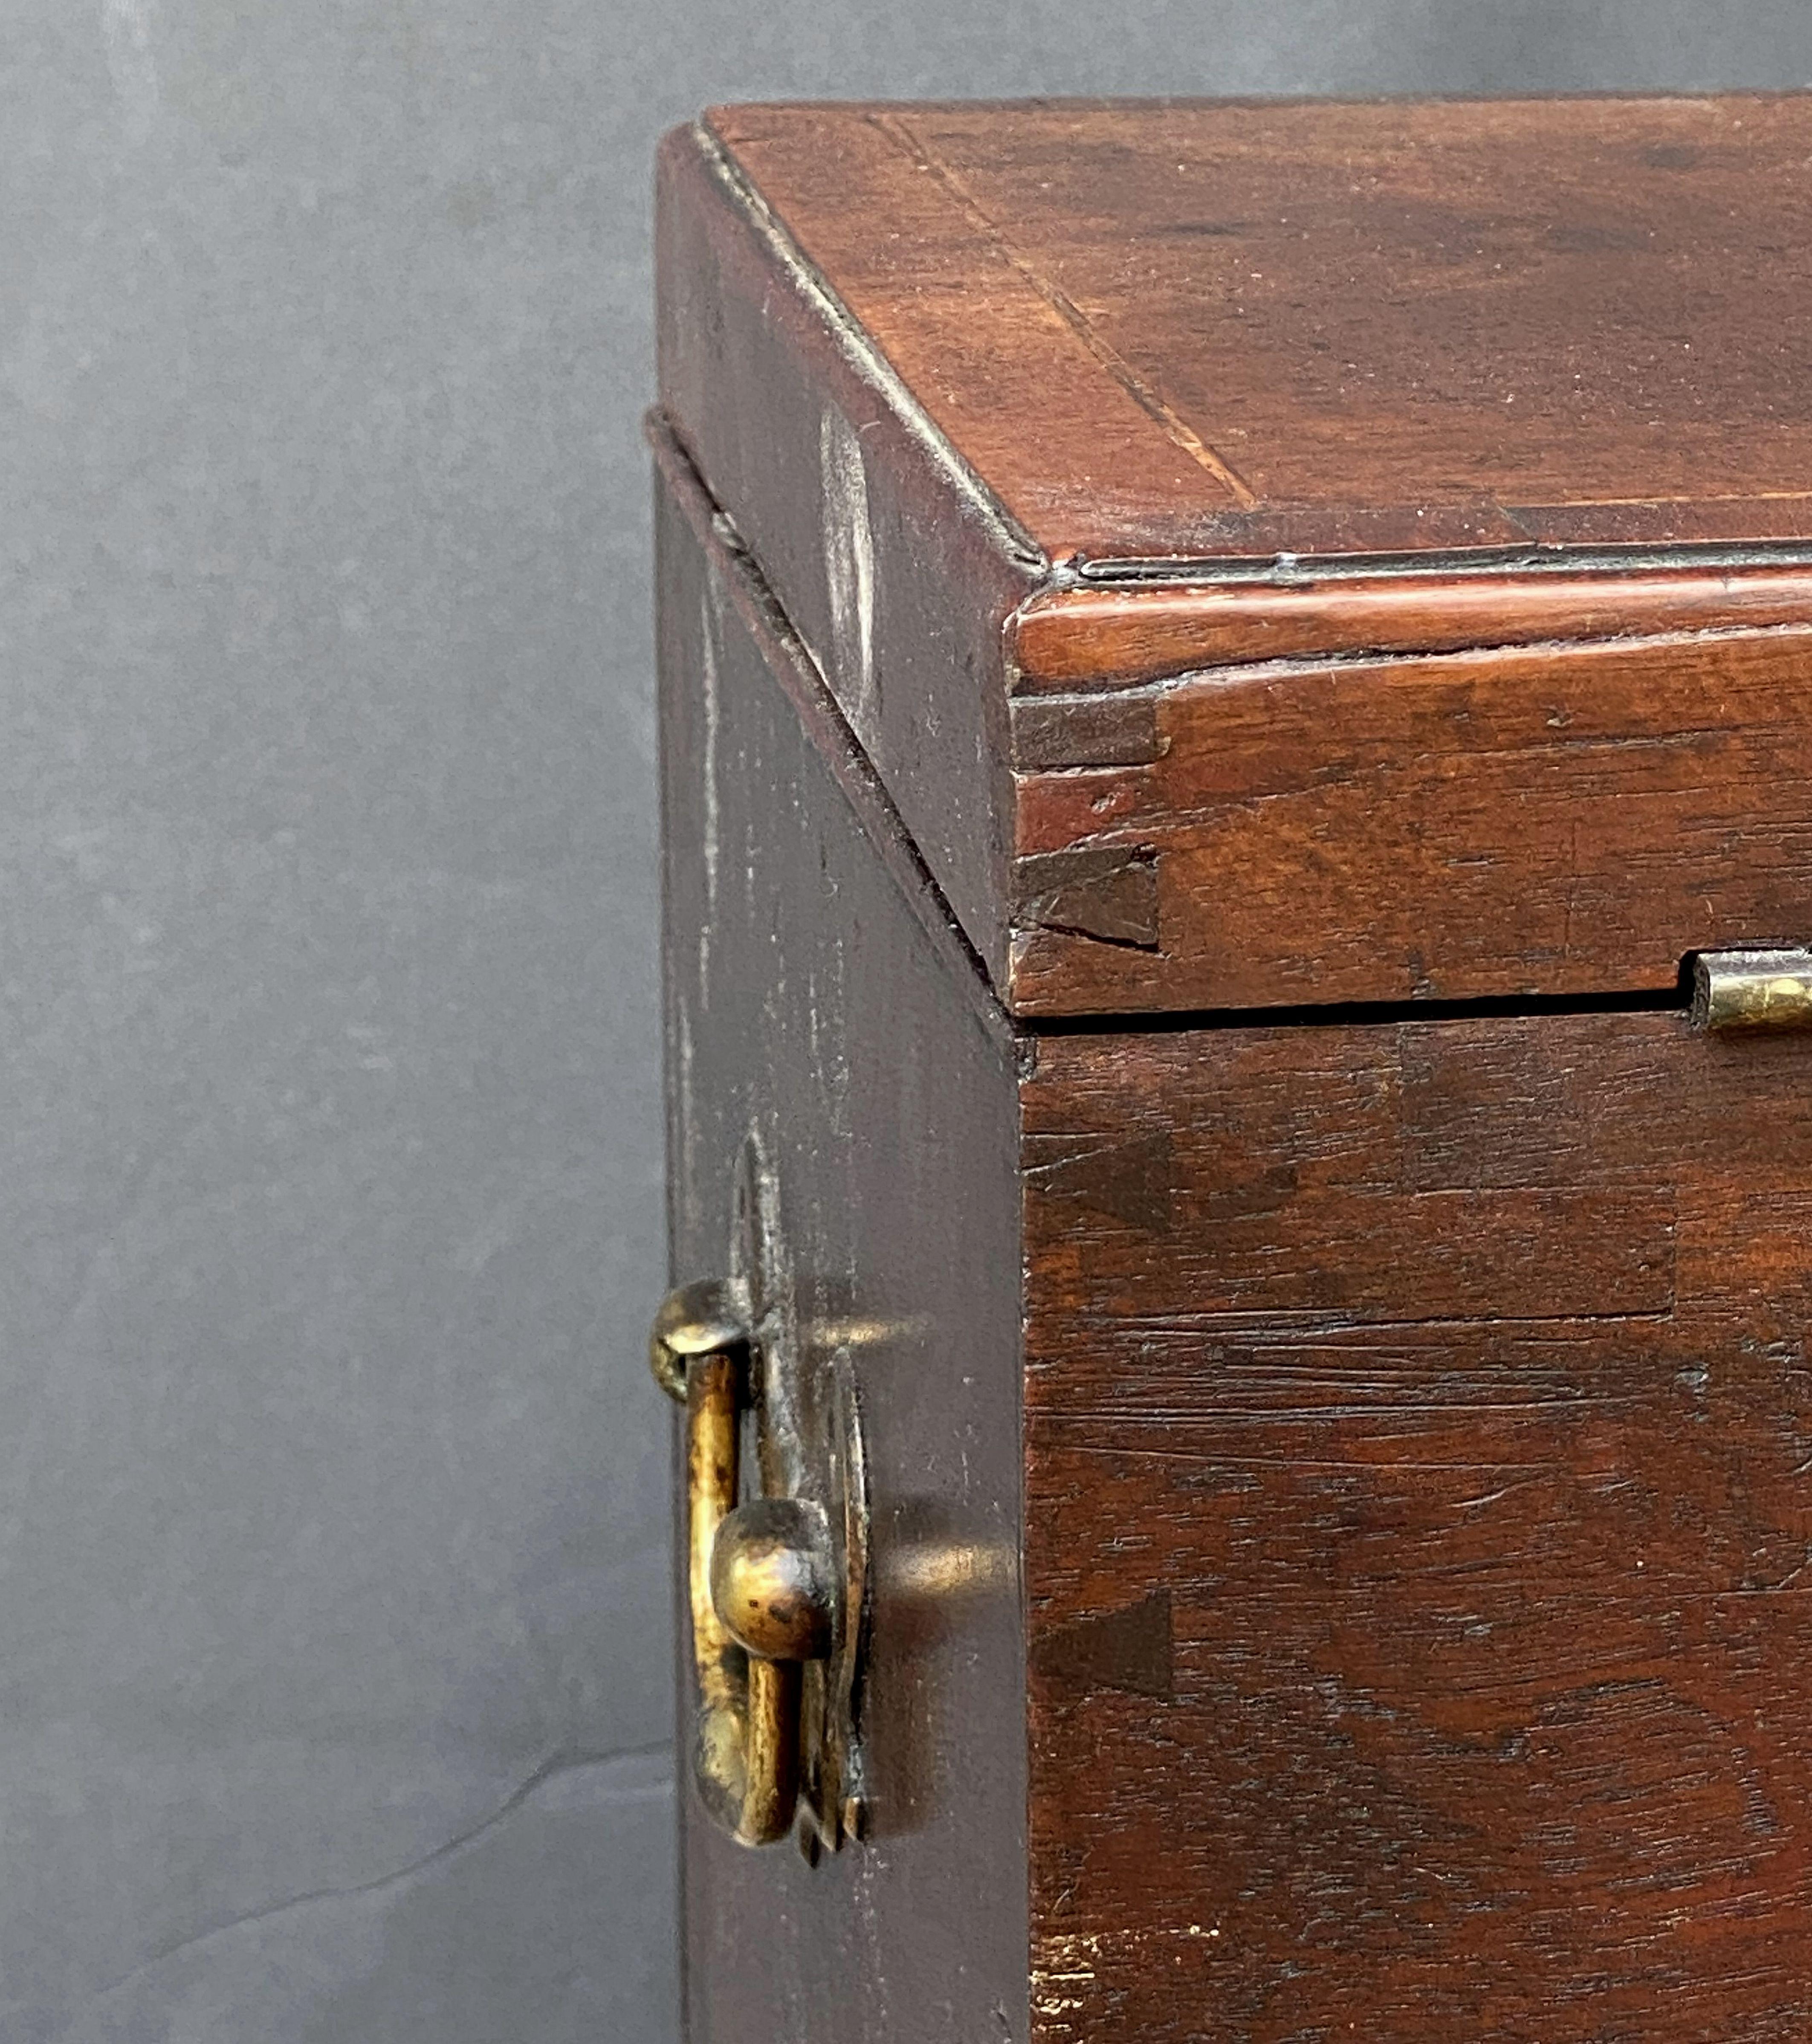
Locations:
(333, 1604)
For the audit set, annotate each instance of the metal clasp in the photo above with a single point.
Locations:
(776, 1589)
(1752, 989)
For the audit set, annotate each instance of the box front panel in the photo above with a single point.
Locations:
(1419, 1424)
(1498, 824)
(823, 1057)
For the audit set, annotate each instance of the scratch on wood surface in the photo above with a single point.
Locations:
(710, 832)
(1067, 1967)
(849, 565)
(1126, 1178)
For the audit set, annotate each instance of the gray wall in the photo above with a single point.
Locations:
(333, 1632)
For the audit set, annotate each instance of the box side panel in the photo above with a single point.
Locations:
(1417, 1528)
(819, 1038)
(891, 562)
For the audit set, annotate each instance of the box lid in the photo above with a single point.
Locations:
(1279, 553)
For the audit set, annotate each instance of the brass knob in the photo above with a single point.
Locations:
(699, 1319)
(771, 1579)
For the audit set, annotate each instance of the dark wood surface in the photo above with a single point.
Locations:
(1560, 820)
(893, 567)
(1077, 640)
(930, 359)
(819, 1010)
(1204, 328)
(1402, 1425)
(1418, 1427)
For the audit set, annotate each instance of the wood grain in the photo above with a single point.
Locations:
(1182, 329)
(1448, 1389)
(894, 571)
(819, 1021)
(1074, 640)
(1172, 560)
(1553, 821)
(1539, 332)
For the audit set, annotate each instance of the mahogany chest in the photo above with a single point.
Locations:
(1236, 690)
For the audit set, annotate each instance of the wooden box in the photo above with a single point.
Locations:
(1223, 668)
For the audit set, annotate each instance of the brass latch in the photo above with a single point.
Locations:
(1753, 989)
(776, 1590)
